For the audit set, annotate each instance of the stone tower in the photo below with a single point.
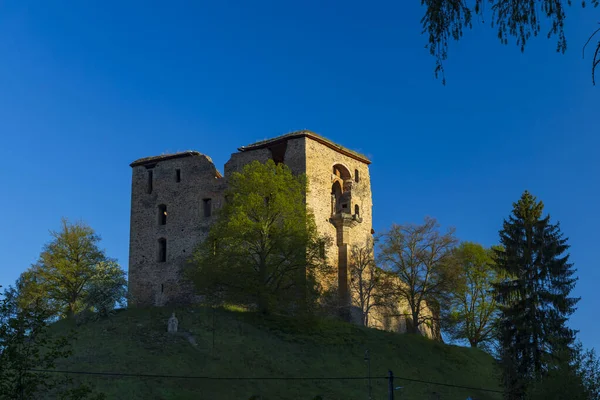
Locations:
(174, 198)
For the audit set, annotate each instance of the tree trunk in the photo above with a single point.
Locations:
(262, 298)
(414, 327)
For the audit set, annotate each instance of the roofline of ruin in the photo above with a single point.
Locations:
(155, 159)
(309, 134)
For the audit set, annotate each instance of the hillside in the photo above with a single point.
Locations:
(247, 345)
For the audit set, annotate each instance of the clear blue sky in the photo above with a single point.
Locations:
(87, 87)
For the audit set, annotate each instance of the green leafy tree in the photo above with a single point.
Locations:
(420, 256)
(27, 350)
(473, 312)
(71, 271)
(263, 248)
(533, 297)
(445, 20)
(107, 289)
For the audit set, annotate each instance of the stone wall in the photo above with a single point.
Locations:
(153, 282)
(320, 163)
(394, 319)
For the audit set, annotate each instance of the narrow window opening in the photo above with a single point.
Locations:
(162, 288)
(162, 250)
(357, 210)
(149, 186)
(162, 214)
(207, 207)
(356, 176)
(177, 175)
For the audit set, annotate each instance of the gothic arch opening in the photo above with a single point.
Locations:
(341, 172)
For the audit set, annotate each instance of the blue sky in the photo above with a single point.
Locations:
(88, 87)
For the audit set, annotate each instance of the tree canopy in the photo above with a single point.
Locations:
(419, 255)
(447, 19)
(473, 311)
(26, 345)
(73, 274)
(263, 248)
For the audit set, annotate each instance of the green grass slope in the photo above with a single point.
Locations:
(247, 345)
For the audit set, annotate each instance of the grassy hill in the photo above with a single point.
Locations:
(247, 345)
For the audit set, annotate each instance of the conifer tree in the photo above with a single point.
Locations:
(534, 297)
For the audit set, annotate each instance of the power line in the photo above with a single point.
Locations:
(224, 378)
(449, 385)
(263, 378)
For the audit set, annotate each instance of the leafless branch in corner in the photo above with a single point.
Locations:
(596, 58)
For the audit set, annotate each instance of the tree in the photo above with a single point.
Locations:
(370, 286)
(420, 256)
(26, 347)
(560, 382)
(446, 19)
(70, 271)
(107, 289)
(473, 312)
(575, 376)
(533, 296)
(587, 365)
(263, 248)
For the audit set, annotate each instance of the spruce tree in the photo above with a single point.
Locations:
(534, 297)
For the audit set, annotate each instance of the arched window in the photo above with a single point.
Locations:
(162, 214)
(357, 210)
(341, 172)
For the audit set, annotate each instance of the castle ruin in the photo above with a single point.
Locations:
(174, 199)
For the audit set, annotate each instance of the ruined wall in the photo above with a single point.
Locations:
(394, 319)
(153, 282)
(293, 155)
(238, 160)
(320, 162)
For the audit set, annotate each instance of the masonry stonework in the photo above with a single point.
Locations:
(168, 197)
(174, 199)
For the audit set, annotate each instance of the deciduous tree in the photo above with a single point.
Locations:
(420, 255)
(107, 289)
(473, 313)
(370, 286)
(263, 248)
(71, 272)
(27, 350)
